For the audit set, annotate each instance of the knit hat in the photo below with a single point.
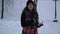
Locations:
(30, 1)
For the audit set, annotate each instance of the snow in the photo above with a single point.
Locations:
(10, 27)
(11, 23)
(14, 27)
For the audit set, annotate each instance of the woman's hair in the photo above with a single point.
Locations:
(26, 8)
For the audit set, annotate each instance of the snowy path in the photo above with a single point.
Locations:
(14, 27)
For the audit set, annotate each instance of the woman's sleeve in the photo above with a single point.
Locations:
(37, 19)
(22, 19)
(36, 16)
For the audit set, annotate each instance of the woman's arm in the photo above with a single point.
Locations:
(22, 19)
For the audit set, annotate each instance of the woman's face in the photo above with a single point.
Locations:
(30, 6)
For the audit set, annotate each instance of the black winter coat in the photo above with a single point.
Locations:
(29, 19)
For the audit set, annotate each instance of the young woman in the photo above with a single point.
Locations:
(29, 19)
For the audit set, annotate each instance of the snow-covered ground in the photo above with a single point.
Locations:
(10, 27)
(11, 23)
(14, 27)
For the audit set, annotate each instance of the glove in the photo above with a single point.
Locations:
(39, 25)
